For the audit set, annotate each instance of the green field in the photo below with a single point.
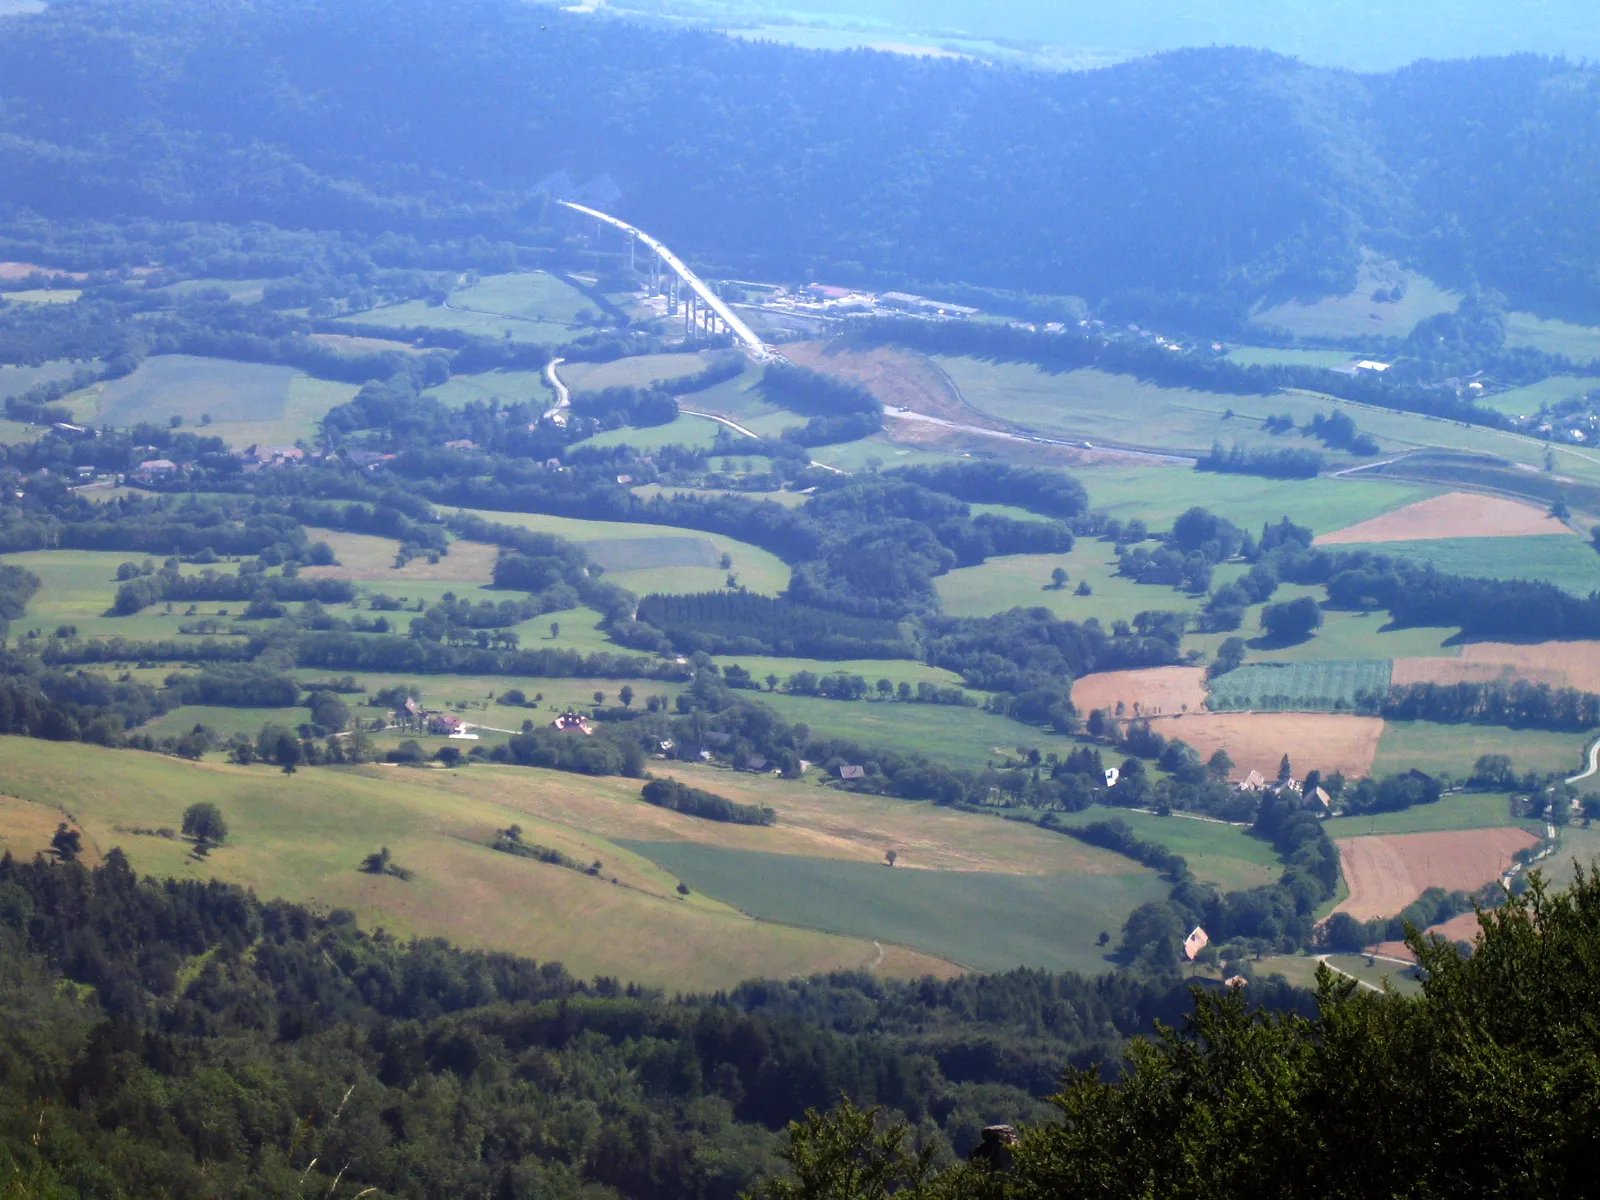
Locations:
(1020, 580)
(757, 569)
(302, 838)
(1344, 635)
(247, 402)
(1580, 343)
(241, 291)
(1222, 854)
(1567, 562)
(1459, 810)
(77, 587)
(987, 921)
(1452, 749)
(1306, 686)
(635, 371)
(872, 670)
(859, 456)
(526, 307)
(1301, 970)
(1158, 494)
(1276, 356)
(14, 432)
(16, 380)
(1530, 399)
(45, 296)
(697, 432)
(964, 737)
(225, 722)
(1357, 314)
(509, 387)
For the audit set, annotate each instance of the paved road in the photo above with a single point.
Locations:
(713, 301)
(1594, 764)
(905, 414)
(750, 433)
(563, 397)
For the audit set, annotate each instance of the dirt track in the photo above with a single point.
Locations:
(1387, 872)
(1454, 515)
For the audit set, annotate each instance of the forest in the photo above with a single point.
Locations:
(328, 111)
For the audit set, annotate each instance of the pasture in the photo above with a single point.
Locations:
(1217, 853)
(1387, 872)
(1552, 391)
(225, 722)
(988, 922)
(1343, 635)
(1568, 562)
(640, 370)
(45, 296)
(240, 291)
(757, 569)
(1023, 581)
(302, 838)
(1278, 356)
(698, 433)
(527, 296)
(1580, 343)
(1454, 811)
(963, 737)
(363, 557)
(1158, 494)
(871, 669)
(77, 587)
(15, 380)
(246, 402)
(1357, 313)
(508, 387)
(1452, 749)
(1307, 686)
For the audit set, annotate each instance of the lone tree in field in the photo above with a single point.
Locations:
(1292, 620)
(626, 696)
(1058, 578)
(67, 843)
(891, 855)
(203, 822)
(555, 629)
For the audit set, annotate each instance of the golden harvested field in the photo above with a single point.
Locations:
(1453, 515)
(302, 838)
(1461, 928)
(363, 557)
(1560, 664)
(1387, 872)
(813, 821)
(1326, 742)
(1151, 692)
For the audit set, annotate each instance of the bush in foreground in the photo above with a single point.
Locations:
(1482, 1086)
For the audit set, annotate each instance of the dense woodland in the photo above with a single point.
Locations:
(1255, 174)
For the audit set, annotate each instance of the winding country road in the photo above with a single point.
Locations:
(906, 414)
(1594, 763)
(563, 397)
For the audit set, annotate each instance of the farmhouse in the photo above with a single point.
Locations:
(572, 722)
(1253, 782)
(443, 723)
(852, 772)
(1197, 941)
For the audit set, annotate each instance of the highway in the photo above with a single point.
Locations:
(757, 348)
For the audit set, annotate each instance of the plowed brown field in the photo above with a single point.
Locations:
(1154, 691)
(1387, 872)
(1560, 664)
(1462, 928)
(1455, 515)
(1327, 742)
(898, 378)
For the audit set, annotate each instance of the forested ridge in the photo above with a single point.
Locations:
(187, 1040)
(1190, 184)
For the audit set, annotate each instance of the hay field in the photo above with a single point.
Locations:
(363, 557)
(911, 670)
(640, 370)
(1453, 811)
(1581, 343)
(1534, 396)
(302, 837)
(1453, 515)
(77, 587)
(1387, 872)
(698, 432)
(509, 387)
(346, 343)
(757, 569)
(1148, 692)
(1217, 853)
(15, 380)
(1326, 742)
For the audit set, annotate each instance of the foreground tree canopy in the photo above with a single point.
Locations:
(1483, 1086)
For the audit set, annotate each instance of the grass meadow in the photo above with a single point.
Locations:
(696, 432)
(1314, 686)
(1357, 314)
(1217, 853)
(1580, 343)
(1458, 810)
(509, 387)
(1531, 398)
(302, 838)
(223, 721)
(77, 587)
(757, 569)
(1277, 356)
(1567, 562)
(636, 371)
(872, 670)
(1452, 749)
(16, 380)
(247, 402)
(988, 922)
